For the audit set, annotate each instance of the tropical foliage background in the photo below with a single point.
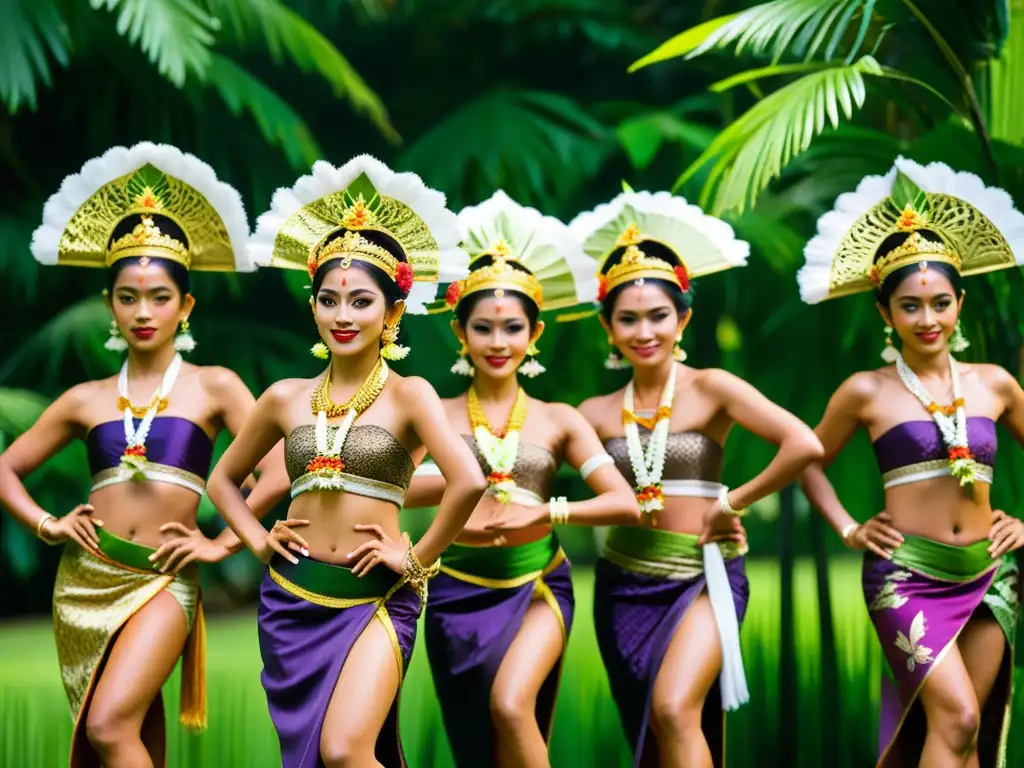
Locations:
(761, 113)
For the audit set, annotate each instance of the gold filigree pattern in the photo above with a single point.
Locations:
(362, 208)
(147, 190)
(963, 229)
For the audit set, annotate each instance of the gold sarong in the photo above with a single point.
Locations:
(93, 598)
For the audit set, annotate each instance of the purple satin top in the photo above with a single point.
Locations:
(172, 440)
(913, 442)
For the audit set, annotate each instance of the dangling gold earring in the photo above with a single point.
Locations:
(532, 367)
(183, 340)
(461, 367)
(678, 353)
(320, 351)
(889, 353)
(391, 350)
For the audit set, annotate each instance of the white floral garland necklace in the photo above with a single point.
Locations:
(648, 465)
(134, 456)
(327, 466)
(951, 419)
(499, 450)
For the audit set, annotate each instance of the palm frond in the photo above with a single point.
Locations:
(755, 148)
(537, 146)
(30, 32)
(19, 272)
(76, 333)
(176, 35)
(797, 27)
(288, 36)
(280, 124)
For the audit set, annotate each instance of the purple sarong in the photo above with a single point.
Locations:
(305, 640)
(919, 602)
(475, 610)
(645, 583)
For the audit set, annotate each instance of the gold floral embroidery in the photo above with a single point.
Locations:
(916, 653)
(888, 596)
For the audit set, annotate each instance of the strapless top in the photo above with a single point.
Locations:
(533, 472)
(914, 451)
(178, 452)
(693, 463)
(376, 463)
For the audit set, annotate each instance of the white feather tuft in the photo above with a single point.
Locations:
(542, 244)
(116, 162)
(326, 179)
(705, 243)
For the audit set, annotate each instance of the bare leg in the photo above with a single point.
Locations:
(366, 687)
(689, 669)
(530, 659)
(951, 708)
(141, 660)
(982, 646)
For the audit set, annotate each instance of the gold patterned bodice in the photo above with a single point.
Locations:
(370, 452)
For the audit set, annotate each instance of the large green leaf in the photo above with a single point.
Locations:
(797, 27)
(74, 334)
(755, 148)
(30, 31)
(643, 135)
(289, 37)
(537, 146)
(280, 124)
(176, 35)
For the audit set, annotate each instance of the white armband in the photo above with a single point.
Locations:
(596, 461)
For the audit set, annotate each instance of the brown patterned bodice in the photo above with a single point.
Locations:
(533, 471)
(370, 452)
(688, 456)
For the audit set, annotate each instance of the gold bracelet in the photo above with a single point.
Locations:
(40, 533)
(416, 576)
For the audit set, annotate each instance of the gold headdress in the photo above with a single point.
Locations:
(330, 214)
(977, 229)
(635, 218)
(556, 273)
(148, 184)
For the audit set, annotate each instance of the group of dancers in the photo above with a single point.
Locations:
(344, 587)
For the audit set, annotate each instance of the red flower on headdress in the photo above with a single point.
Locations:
(451, 296)
(602, 287)
(403, 277)
(684, 279)
(311, 265)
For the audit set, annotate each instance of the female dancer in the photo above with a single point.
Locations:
(937, 578)
(331, 673)
(663, 640)
(126, 601)
(501, 609)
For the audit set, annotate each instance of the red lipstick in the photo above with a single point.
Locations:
(496, 362)
(144, 333)
(344, 337)
(930, 337)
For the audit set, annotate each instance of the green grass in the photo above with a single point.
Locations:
(35, 727)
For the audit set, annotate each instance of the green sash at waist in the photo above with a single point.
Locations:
(125, 552)
(502, 562)
(665, 554)
(334, 581)
(946, 562)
